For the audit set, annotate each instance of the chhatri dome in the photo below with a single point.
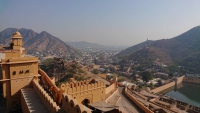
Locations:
(16, 35)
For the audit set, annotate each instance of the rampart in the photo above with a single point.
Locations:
(92, 90)
(49, 86)
(71, 105)
(145, 109)
(46, 99)
(112, 87)
(191, 80)
(171, 84)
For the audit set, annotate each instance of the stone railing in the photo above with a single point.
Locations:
(139, 104)
(166, 86)
(50, 87)
(82, 88)
(46, 99)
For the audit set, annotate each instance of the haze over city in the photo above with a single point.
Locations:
(112, 22)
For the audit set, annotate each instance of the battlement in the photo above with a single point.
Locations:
(71, 105)
(78, 87)
(47, 100)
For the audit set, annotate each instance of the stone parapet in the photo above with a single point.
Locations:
(166, 86)
(139, 104)
(70, 105)
(47, 100)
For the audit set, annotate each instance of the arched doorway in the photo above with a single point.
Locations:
(85, 102)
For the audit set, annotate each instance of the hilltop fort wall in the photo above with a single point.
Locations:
(44, 96)
(112, 87)
(166, 86)
(191, 80)
(145, 109)
(49, 86)
(71, 105)
(94, 92)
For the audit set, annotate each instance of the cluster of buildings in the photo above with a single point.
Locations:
(27, 88)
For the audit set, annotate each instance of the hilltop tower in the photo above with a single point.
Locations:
(16, 42)
(16, 70)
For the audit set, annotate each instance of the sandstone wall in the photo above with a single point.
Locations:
(145, 109)
(191, 80)
(47, 100)
(171, 84)
(94, 92)
(70, 105)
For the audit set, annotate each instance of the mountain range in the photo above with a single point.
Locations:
(38, 42)
(85, 45)
(181, 50)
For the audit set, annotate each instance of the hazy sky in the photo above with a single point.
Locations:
(107, 22)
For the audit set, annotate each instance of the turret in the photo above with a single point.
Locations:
(16, 42)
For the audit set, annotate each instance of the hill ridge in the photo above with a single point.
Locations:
(42, 42)
(183, 49)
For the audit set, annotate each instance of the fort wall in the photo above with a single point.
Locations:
(46, 99)
(94, 92)
(145, 109)
(51, 87)
(110, 88)
(70, 105)
(191, 80)
(25, 108)
(166, 86)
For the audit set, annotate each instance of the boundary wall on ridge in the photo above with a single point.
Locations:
(166, 86)
(191, 80)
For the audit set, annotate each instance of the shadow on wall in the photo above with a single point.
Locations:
(71, 105)
(2, 99)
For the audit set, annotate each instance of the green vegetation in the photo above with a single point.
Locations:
(95, 71)
(183, 50)
(120, 78)
(73, 71)
(146, 76)
(47, 64)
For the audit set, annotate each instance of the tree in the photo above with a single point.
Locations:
(171, 74)
(95, 71)
(121, 67)
(139, 68)
(134, 75)
(121, 79)
(146, 76)
(112, 69)
(173, 68)
(165, 70)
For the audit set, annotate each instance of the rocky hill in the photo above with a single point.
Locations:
(134, 48)
(150, 55)
(38, 42)
(183, 50)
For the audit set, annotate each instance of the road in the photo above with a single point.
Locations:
(125, 104)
